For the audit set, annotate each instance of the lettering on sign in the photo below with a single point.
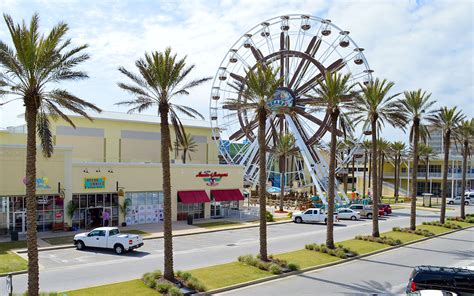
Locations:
(94, 183)
(211, 178)
(41, 183)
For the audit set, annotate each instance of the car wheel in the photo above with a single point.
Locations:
(466, 203)
(451, 202)
(80, 245)
(119, 250)
(298, 220)
(326, 221)
(369, 216)
(353, 218)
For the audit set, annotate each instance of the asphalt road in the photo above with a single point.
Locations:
(383, 274)
(71, 269)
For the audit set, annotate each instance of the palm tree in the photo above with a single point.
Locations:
(27, 73)
(374, 107)
(258, 89)
(448, 120)
(425, 153)
(465, 137)
(416, 107)
(162, 77)
(285, 147)
(187, 144)
(333, 94)
(398, 148)
(366, 144)
(384, 149)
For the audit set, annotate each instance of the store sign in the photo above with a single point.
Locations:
(94, 183)
(41, 183)
(211, 178)
(282, 97)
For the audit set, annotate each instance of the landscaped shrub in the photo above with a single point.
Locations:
(270, 217)
(293, 266)
(449, 225)
(155, 281)
(339, 251)
(382, 240)
(422, 232)
(174, 291)
(195, 284)
(275, 268)
(469, 219)
(280, 262)
(163, 287)
(150, 278)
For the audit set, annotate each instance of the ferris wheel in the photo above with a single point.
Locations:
(303, 48)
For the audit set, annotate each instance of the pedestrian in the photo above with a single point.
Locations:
(106, 217)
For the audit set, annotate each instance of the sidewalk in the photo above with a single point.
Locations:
(155, 230)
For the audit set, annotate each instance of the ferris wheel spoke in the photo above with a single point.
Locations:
(244, 131)
(312, 48)
(257, 54)
(313, 82)
(237, 77)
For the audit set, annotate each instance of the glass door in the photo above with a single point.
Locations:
(19, 222)
(216, 210)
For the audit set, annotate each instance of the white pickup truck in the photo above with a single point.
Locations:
(311, 215)
(108, 238)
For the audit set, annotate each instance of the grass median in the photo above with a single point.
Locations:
(217, 224)
(9, 261)
(134, 287)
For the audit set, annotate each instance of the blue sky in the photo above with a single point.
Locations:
(416, 44)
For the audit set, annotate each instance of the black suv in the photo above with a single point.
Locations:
(453, 279)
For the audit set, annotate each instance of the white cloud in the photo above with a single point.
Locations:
(426, 45)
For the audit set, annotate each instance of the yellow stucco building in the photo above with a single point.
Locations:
(100, 164)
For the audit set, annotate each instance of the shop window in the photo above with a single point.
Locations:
(91, 200)
(100, 200)
(107, 200)
(115, 200)
(83, 200)
(146, 207)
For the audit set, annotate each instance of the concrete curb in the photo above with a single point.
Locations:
(60, 247)
(312, 268)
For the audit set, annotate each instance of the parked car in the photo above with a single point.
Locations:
(108, 238)
(365, 211)
(346, 213)
(457, 200)
(451, 279)
(311, 215)
(386, 208)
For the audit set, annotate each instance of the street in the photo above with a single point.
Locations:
(383, 274)
(70, 269)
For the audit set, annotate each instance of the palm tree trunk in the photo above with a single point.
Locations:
(32, 244)
(397, 165)
(282, 181)
(165, 162)
(331, 183)
(262, 180)
(365, 168)
(375, 197)
(463, 181)
(414, 177)
(184, 155)
(447, 138)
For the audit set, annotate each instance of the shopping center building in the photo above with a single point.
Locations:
(99, 165)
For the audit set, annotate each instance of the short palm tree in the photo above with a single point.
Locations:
(448, 120)
(187, 145)
(334, 93)
(366, 144)
(161, 78)
(258, 89)
(425, 153)
(416, 106)
(398, 151)
(28, 72)
(465, 137)
(374, 106)
(284, 148)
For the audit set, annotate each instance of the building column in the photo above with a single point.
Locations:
(67, 184)
(452, 178)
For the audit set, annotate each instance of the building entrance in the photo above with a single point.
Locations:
(19, 222)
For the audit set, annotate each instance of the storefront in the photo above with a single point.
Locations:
(224, 202)
(191, 203)
(95, 210)
(143, 207)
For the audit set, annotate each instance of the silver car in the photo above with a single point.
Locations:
(364, 210)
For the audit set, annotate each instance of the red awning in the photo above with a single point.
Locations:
(227, 194)
(197, 196)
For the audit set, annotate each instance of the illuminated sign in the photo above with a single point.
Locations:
(211, 178)
(94, 183)
(283, 97)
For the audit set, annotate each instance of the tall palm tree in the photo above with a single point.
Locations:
(446, 119)
(417, 107)
(374, 107)
(27, 73)
(161, 78)
(285, 147)
(398, 149)
(334, 94)
(187, 145)
(258, 89)
(384, 149)
(366, 144)
(465, 137)
(425, 153)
